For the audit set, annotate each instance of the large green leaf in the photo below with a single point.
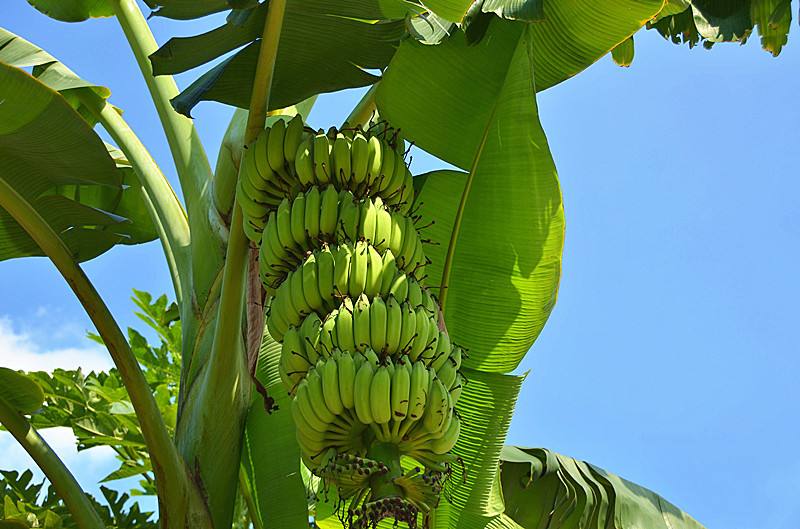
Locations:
(271, 455)
(576, 33)
(18, 52)
(74, 10)
(57, 163)
(714, 21)
(507, 256)
(485, 408)
(19, 391)
(324, 47)
(544, 489)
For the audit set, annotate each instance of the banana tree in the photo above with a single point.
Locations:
(349, 332)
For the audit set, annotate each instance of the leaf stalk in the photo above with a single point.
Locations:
(57, 473)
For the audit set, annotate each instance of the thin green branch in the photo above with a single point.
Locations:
(364, 109)
(165, 208)
(66, 485)
(171, 478)
(229, 322)
(191, 162)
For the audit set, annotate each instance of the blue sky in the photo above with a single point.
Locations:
(672, 355)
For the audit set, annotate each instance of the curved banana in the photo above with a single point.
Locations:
(361, 393)
(380, 396)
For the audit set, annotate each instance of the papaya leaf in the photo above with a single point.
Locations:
(544, 489)
(74, 10)
(19, 391)
(504, 252)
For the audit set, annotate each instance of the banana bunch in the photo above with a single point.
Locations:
(403, 403)
(373, 374)
(315, 219)
(287, 159)
(334, 273)
(266, 176)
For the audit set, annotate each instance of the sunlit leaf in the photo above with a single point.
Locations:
(19, 391)
(544, 489)
(74, 10)
(506, 259)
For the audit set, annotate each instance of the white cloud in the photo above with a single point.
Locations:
(18, 350)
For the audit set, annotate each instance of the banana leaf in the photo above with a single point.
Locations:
(74, 10)
(544, 489)
(506, 255)
(324, 47)
(54, 160)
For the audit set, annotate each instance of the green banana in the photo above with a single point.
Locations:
(293, 138)
(410, 242)
(304, 162)
(383, 230)
(325, 277)
(442, 352)
(374, 276)
(341, 161)
(447, 374)
(436, 408)
(329, 212)
(318, 395)
(408, 330)
(313, 208)
(389, 272)
(327, 335)
(394, 324)
(311, 283)
(361, 392)
(359, 159)
(275, 156)
(310, 335)
(378, 319)
(401, 387)
(322, 158)
(306, 407)
(342, 263)
(415, 294)
(349, 213)
(399, 288)
(380, 396)
(284, 219)
(298, 219)
(418, 391)
(330, 386)
(347, 379)
(344, 326)
(387, 168)
(358, 269)
(422, 331)
(369, 219)
(374, 163)
(361, 323)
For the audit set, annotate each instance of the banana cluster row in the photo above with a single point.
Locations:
(388, 327)
(402, 402)
(288, 158)
(328, 275)
(317, 218)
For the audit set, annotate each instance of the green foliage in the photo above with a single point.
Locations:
(55, 162)
(713, 21)
(96, 406)
(544, 489)
(324, 47)
(30, 504)
(20, 392)
(74, 10)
